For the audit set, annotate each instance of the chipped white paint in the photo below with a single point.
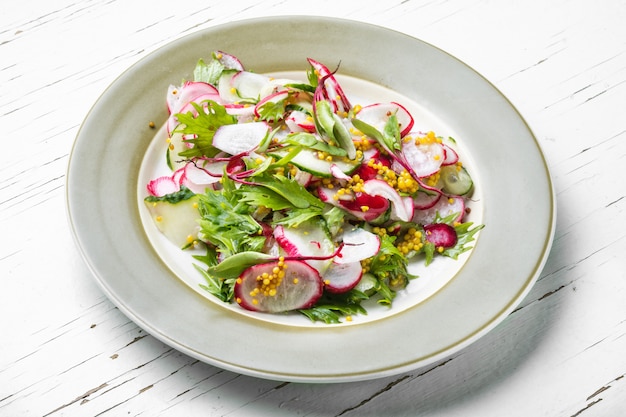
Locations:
(66, 351)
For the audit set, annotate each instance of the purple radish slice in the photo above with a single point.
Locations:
(340, 278)
(378, 114)
(278, 287)
(446, 206)
(358, 244)
(365, 206)
(441, 235)
(401, 207)
(240, 138)
(332, 91)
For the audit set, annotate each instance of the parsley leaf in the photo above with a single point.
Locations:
(331, 307)
(227, 224)
(202, 128)
(208, 72)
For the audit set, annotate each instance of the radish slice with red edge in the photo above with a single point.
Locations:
(163, 186)
(299, 121)
(401, 208)
(331, 88)
(240, 138)
(178, 97)
(441, 235)
(358, 244)
(424, 159)
(378, 114)
(201, 174)
(272, 98)
(229, 61)
(289, 285)
(425, 199)
(451, 157)
(446, 206)
(249, 84)
(306, 241)
(342, 277)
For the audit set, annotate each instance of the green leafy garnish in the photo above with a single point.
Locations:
(331, 307)
(183, 194)
(208, 72)
(202, 128)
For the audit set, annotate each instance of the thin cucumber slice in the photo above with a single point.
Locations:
(456, 180)
(308, 161)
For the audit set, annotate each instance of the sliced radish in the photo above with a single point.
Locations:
(451, 157)
(249, 84)
(424, 159)
(272, 98)
(228, 61)
(199, 175)
(332, 91)
(243, 112)
(299, 121)
(441, 235)
(358, 244)
(377, 115)
(228, 93)
(162, 186)
(446, 206)
(342, 277)
(235, 139)
(294, 286)
(338, 173)
(401, 208)
(178, 97)
(423, 200)
(306, 240)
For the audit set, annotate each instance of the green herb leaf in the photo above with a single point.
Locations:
(289, 189)
(272, 111)
(202, 127)
(227, 224)
(208, 72)
(183, 194)
(332, 307)
(234, 265)
(311, 141)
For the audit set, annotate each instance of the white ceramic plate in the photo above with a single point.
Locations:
(516, 204)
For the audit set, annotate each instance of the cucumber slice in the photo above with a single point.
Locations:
(177, 221)
(367, 284)
(308, 161)
(175, 147)
(456, 181)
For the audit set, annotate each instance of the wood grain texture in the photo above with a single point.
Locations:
(67, 351)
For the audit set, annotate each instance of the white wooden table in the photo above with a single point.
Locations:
(66, 350)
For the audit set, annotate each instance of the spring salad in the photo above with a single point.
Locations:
(295, 200)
